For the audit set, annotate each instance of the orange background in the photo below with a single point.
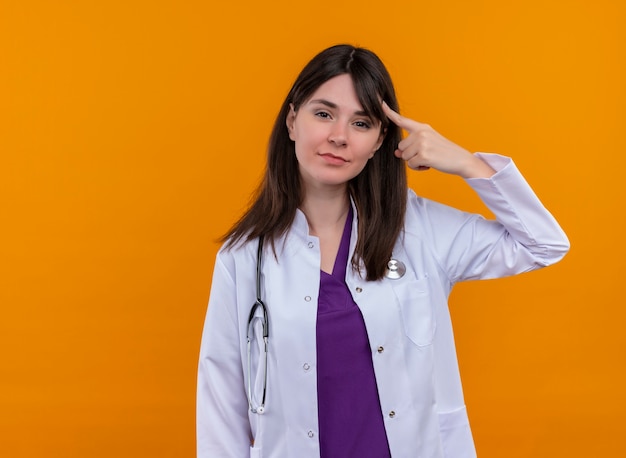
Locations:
(133, 132)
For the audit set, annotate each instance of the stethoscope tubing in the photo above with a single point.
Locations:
(265, 323)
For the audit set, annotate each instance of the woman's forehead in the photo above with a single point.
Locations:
(338, 92)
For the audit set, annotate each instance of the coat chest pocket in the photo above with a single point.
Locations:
(417, 311)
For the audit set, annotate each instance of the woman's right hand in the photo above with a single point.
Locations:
(424, 148)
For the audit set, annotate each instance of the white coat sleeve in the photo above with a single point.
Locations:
(222, 425)
(524, 236)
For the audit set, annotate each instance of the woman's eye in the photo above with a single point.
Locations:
(322, 114)
(362, 124)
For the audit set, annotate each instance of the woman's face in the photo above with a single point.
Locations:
(333, 136)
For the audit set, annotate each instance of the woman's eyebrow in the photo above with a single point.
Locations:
(330, 104)
(325, 102)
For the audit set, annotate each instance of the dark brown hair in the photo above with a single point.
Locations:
(379, 191)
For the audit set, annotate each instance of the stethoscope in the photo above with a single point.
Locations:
(260, 408)
(395, 269)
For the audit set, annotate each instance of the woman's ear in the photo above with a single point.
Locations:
(291, 118)
(379, 143)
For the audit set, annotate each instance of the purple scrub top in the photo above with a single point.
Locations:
(350, 417)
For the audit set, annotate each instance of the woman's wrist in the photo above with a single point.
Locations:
(477, 168)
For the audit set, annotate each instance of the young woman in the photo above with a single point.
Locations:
(327, 332)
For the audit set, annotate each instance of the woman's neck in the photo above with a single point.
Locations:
(326, 210)
(326, 214)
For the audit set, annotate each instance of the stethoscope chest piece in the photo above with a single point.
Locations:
(395, 269)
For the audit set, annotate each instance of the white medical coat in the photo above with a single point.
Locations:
(407, 320)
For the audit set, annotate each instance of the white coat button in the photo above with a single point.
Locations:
(310, 434)
(307, 298)
(359, 289)
(380, 349)
(311, 245)
(392, 414)
(306, 366)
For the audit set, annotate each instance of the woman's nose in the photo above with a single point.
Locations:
(338, 135)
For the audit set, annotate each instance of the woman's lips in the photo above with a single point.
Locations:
(332, 159)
